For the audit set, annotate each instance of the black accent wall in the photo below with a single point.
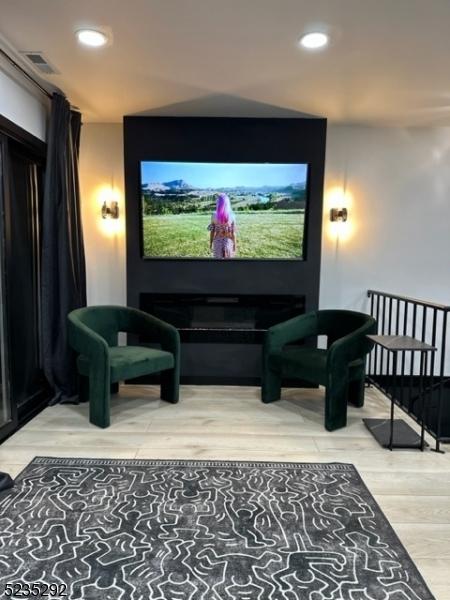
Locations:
(224, 140)
(208, 139)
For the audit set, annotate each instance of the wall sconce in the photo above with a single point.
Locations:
(338, 214)
(111, 211)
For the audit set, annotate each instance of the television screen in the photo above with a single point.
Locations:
(223, 210)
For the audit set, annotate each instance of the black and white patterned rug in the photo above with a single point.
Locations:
(191, 530)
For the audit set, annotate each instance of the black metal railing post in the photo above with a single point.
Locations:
(402, 315)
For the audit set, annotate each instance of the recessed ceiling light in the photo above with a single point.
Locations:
(314, 40)
(92, 37)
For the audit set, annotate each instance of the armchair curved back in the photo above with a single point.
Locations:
(337, 324)
(107, 321)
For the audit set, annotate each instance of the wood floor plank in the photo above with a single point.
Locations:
(409, 483)
(13, 469)
(435, 572)
(24, 454)
(333, 443)
(425, 540)
(416, 509)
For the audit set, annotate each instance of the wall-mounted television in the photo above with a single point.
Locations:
(217, 210)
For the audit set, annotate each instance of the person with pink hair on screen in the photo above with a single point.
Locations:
(222, 238)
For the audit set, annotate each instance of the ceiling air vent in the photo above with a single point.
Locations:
(40, 62)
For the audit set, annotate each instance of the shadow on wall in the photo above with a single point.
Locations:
(223, 105)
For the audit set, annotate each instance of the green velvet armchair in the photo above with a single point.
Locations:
(340, 367)
(93, 334)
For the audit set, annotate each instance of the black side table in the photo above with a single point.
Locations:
(391, 433)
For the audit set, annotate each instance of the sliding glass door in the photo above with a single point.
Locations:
(23, 388)
(8, 413)
(6, 416)
(23, 301)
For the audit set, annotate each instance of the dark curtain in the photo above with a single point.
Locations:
(63, 261)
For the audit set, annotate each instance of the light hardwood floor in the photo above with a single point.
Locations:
(230, 423)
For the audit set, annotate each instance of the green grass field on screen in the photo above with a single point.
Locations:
(268, 234)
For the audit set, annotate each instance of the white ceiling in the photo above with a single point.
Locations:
(388, 62)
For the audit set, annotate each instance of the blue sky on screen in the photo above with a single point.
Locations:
(223, 175)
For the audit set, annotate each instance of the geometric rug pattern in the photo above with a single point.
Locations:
(196, 530)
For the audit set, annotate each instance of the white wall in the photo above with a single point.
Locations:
(398, 234)
(20, 105)
(101, 168)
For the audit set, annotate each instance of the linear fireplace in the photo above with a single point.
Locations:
(222, 318)
(221, 334)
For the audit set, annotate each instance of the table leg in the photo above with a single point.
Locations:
(393, 392)
(422, 395)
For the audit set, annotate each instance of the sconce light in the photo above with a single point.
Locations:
(338, 214)
(111, 211)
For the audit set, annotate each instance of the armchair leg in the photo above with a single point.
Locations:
(356, 392)
(270, 386)
(83, 388)
(335, 407)
(170, 385)
(99, 394)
